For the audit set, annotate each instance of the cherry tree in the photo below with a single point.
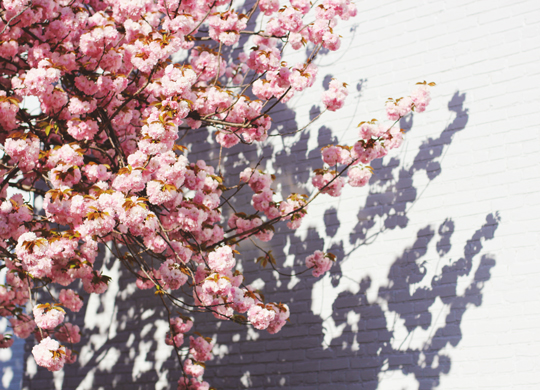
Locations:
(106, 153)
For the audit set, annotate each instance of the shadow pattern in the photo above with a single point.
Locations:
(125, 341)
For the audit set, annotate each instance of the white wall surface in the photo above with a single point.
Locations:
(438, 281)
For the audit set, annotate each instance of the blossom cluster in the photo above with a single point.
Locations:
(104, 153)
(376, 139)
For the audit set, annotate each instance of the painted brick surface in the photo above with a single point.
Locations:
(437, 283)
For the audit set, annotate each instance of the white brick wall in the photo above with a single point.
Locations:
(437, 286)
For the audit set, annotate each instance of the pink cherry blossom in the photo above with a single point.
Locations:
(200, 349)
(225, 27)
(359, 177)
(421, 98)
(329, 183)
(47, 316)
(33, 252)
(68, 333)
(172, 275)
(320, 263)
(192, 384)
(261, 316)
(23, 326)
(24, 152)
(71, 300)
(268, 7)
(49, 354)
(193, 369)
(280, 319)
(222, 259)
(334, 97)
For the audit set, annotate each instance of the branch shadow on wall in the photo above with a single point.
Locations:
(372, 342)
(391, 198)
(366, 348)
(375, 338)
(126, 343)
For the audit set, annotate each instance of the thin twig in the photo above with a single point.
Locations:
(16, 16)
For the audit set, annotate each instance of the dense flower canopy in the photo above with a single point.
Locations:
(105, 153)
